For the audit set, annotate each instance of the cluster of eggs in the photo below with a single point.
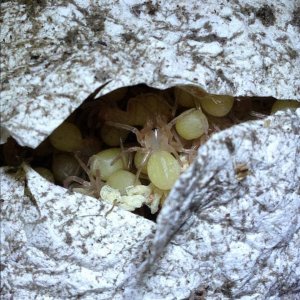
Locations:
(140, 139)
(166, 130)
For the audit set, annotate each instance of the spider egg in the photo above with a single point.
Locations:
(163, 169)
(111, 136)
(184, 98)
(216, 105)
(284, 105)
(145, 106)
(67, 137)
(107, 162)
(63, 166)
(192, 125)
(121, 180)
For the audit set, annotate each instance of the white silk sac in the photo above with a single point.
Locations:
(230, 227)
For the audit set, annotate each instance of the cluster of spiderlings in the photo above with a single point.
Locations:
(156, 132)
(138, 136)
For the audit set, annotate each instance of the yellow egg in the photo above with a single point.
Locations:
(145, 106)
(112, 136)
(121, 180)
(184, 98)
(216, 105)
(163, 169)
(104, 161)
(67, 137)
(192, 125)
(284, 105)
(63, 166)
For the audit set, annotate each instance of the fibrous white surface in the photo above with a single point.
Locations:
(217, 235)
(55, 55)
(242, 235)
